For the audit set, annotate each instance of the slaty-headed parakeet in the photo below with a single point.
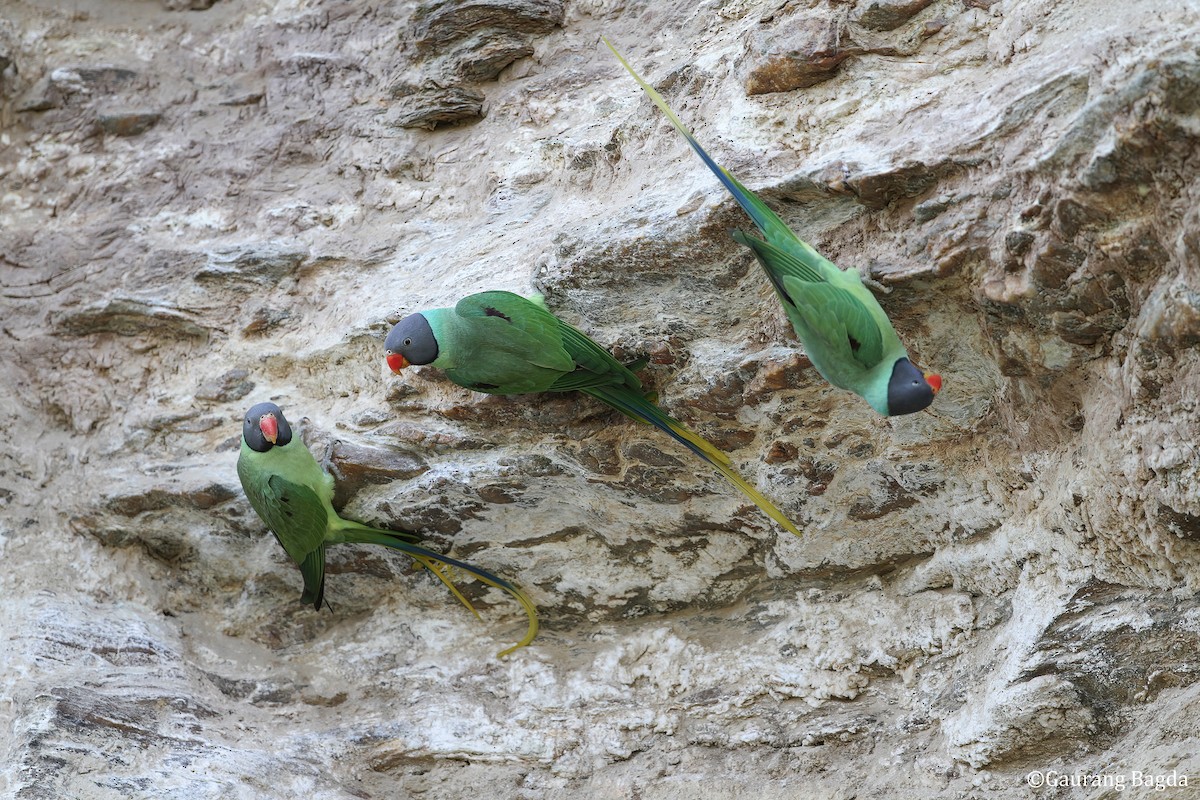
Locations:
(845, 332)
(293, 496)
(502, 343)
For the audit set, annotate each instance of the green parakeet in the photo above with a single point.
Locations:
(293, 496)
(845, 332)
(502, 343)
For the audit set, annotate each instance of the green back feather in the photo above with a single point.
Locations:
(502, 343)
(499, 343)
(520, 325)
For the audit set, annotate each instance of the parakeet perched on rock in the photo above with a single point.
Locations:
(502, 343)
(293, 496)
(845, 332)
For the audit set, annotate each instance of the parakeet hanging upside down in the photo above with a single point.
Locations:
(845, 332)
(293, 496)
(502, 343)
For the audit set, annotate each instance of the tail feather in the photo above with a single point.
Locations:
(437, 563)
(634, 405)
(313, 570)
(767, 221)
(763, 217)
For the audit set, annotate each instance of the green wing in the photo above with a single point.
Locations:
(299, 521)
(593, 365)
(519, 325)
(844, 325)
(515, 345)
(805, 263)
(295, 515)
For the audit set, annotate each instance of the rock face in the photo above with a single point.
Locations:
(201, 209)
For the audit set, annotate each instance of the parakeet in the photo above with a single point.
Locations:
(502, 343)
(845, 332)
(293, 495)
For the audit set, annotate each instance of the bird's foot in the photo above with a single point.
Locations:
(876, 285)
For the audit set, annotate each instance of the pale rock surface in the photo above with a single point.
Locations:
(203, 205)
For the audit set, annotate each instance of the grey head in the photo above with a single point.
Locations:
(908, 389)
(411, 341)
(265, 427)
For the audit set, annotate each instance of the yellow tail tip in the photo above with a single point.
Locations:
(531, 632)
(760, 500)
(650, 90)
(725, 466)
(440, 570)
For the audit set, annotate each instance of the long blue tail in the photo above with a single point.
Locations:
(763, 217)
(772, 227)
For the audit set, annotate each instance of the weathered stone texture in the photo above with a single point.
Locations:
(204, 208)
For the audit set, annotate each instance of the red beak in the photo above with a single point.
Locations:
(934, 381)
(396, 362)
(269, 427)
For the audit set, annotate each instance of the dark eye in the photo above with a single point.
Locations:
(407, 342)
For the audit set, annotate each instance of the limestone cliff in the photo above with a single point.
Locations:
(204, 205)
